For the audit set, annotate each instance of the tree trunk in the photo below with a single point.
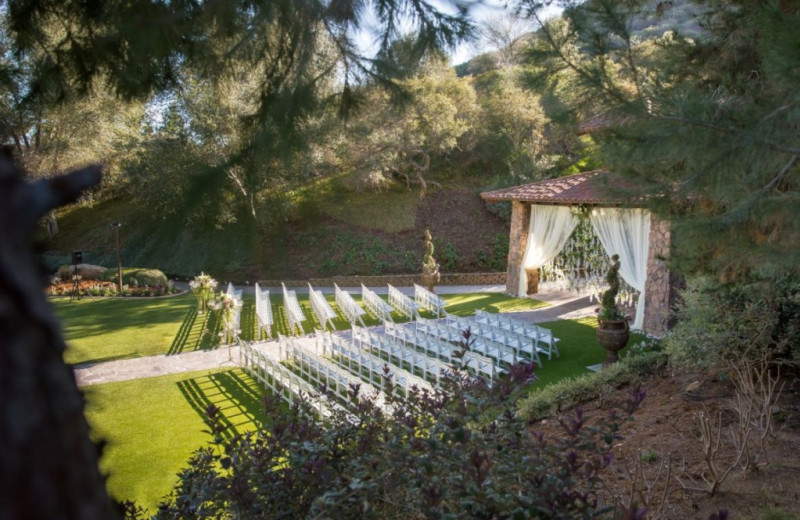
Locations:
(48, 464)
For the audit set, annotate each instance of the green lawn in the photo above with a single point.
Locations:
(153, 425)
(105, 329)
(578, 347)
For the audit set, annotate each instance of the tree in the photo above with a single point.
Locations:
(513, 135)
(49, 465)
(505, 35)
(50, 138)
(140, 48)
(388, 141)
(708, 123)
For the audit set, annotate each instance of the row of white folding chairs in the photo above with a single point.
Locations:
(542, 338)
(376, 305)
(403, 304)
(352, 311)
(294, 314)
(233, 292)
(396, 352)
(282, 381)
(523, 347)
(451, 329)
(319, 371)
(263, 312)
(428, 300)
(321, 308)
(373, 369)
(476, 363)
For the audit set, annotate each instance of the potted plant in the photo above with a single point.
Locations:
(613, 331)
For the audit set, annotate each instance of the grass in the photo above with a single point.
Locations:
(106, 329)
(465, 304)
(578, 347)
(161, 423)
(153, 425)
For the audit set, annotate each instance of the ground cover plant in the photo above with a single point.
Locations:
(151, 426)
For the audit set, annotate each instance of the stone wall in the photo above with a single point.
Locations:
(659, 286)
(399, 280)
(518, 241)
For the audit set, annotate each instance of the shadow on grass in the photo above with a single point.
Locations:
(197, 332)
(87, 318)
(239, 402)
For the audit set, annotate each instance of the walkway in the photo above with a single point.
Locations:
(563, 306)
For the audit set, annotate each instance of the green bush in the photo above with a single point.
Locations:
(137, 276)
(719, 323)
(570, 392)
(64, 273)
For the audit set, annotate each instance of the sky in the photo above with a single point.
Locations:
(480, 11)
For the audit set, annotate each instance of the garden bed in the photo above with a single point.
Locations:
(105, 288)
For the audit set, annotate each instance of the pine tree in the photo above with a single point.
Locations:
(707, 122)
(705, 117)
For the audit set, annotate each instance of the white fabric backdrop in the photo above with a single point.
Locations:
(626, 232)
(549, 230)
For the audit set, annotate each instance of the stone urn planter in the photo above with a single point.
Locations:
(613, 331)
(612, 335)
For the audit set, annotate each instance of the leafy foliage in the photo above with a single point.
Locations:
(756, 319)
(386, 143)
(573, 391)
(705, 121)
(431, 456)
(137, 276)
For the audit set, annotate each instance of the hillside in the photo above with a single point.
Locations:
(325, 229)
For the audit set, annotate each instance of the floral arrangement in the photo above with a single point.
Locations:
(229, 308)
(203, 287)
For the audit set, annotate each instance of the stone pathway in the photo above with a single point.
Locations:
(563, 306)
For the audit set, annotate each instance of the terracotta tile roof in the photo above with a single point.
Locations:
(599, 187)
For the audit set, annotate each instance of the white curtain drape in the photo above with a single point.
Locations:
(626, 232)
(549, 230)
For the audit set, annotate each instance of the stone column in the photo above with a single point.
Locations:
(658, 287)
(517, 242)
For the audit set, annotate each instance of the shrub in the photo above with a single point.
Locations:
(430, 456)
(571, 392)
(720, 323)
(65, 273)
(497, 258)
(137, 276)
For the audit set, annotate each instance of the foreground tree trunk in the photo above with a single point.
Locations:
(48, 464)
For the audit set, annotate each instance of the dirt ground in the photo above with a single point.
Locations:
(663, 446)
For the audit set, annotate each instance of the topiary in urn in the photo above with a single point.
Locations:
(613, 331)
